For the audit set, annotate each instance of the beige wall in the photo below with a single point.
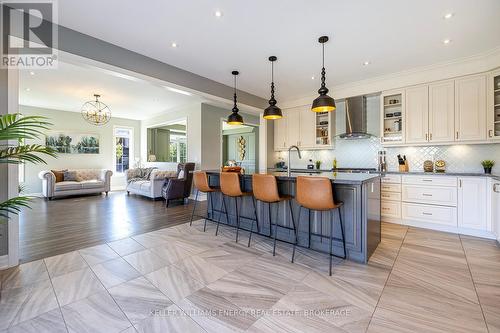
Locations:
(73, 122)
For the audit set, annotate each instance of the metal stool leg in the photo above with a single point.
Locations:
(294, 228)
(331, 241)
(276, 229)
(227, 216)
(210, 198)
(237, 218)
(256, 220)
(270, 219)
(309, 243)
(342, 232)
(194, 207)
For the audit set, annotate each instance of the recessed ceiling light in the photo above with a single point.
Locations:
(366, 63)
(447, 41)
(28, 89)
(218, 13)
(32, 73)
(448, 16)
(312, 77)
(174, 44)
(179, 91)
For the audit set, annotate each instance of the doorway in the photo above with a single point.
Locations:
(239, 145)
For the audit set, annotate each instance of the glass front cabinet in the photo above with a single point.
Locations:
(494, 106)
(393, 113)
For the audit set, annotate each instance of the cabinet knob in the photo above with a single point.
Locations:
(430, 136)
(490, 133)
(457, 135)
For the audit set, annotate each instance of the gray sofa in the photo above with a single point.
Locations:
(88, 181)
(150, 187)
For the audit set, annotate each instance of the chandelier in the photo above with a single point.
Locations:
(96, 112)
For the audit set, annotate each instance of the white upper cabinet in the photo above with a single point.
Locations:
(494, 105)
(417, 114)
(392, 128)
(280, 133)
(442, 111)
(472, 203)
(293, 126)
(307, 128)
(470, 108)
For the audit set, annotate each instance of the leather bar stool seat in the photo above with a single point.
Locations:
(231, 187)
(200, 181)
(316, 194)
(265, 189)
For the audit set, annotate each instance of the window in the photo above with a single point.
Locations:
(177, 148)
(123, 149)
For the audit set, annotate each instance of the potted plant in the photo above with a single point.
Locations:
(14, 128)
(318, 164)
(487, 165)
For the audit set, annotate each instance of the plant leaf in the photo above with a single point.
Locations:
(15, 127)
(25, 153)
(13, 206)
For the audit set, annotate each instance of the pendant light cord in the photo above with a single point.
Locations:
(323, 72)
(234, 96)
(272, 101)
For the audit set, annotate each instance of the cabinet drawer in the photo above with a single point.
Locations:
(390, 188)
(430, 195)
(390, 209)
(430, 180)
(430, 214)
(393, 179)
(390, 196)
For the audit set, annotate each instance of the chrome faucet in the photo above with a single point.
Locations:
(289, 166)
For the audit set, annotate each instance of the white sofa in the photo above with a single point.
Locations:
(88, 181)
(151, 187)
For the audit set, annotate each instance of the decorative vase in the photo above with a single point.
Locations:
(487, 171)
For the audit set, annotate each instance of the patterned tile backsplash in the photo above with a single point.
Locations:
(363, 154)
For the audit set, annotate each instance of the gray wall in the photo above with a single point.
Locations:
(211, 149)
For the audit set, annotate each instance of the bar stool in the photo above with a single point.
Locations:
(230, 186)
(316, 193)
(200, 180)
(265, 189)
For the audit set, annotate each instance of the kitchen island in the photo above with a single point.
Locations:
(360, 193)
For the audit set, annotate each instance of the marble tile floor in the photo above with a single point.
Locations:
(180, 279)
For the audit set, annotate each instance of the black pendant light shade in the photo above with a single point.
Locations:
(272, 111)
(323, 103)
(235, 118)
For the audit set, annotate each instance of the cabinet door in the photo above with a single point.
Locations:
(493, 108)
(293, 126)
(307, 127)
(417, 114)
(470, 108)
(442, 111)
(472, 203)
(280, 132)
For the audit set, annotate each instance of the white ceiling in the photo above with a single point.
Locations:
(393, 35)
(70, 86)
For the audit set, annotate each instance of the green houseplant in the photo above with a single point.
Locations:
(14, 127)
(318, 164)
(487, 165)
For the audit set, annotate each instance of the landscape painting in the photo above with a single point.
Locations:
(73, 143)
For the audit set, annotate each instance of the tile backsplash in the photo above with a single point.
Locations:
(363, 154)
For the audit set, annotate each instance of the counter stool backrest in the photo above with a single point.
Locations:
(265, 188)
(230, 184)
(315, 193)
(200, 180)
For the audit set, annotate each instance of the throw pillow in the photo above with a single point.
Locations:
(70, 176)
(59, 175)
(181, 174)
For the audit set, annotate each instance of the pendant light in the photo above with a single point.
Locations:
(96, 112)
(272, 111)
(323, 103)
(235, 118)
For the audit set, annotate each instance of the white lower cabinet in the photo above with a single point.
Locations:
(472, 203)
(466, 205)
(430, 214)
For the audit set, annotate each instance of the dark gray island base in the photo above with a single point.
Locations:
(360, 193)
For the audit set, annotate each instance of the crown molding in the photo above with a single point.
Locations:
(477, 63)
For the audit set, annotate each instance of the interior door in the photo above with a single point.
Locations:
(417, 114)
(442, 111)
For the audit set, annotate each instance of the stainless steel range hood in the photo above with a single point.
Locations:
(355, 119)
